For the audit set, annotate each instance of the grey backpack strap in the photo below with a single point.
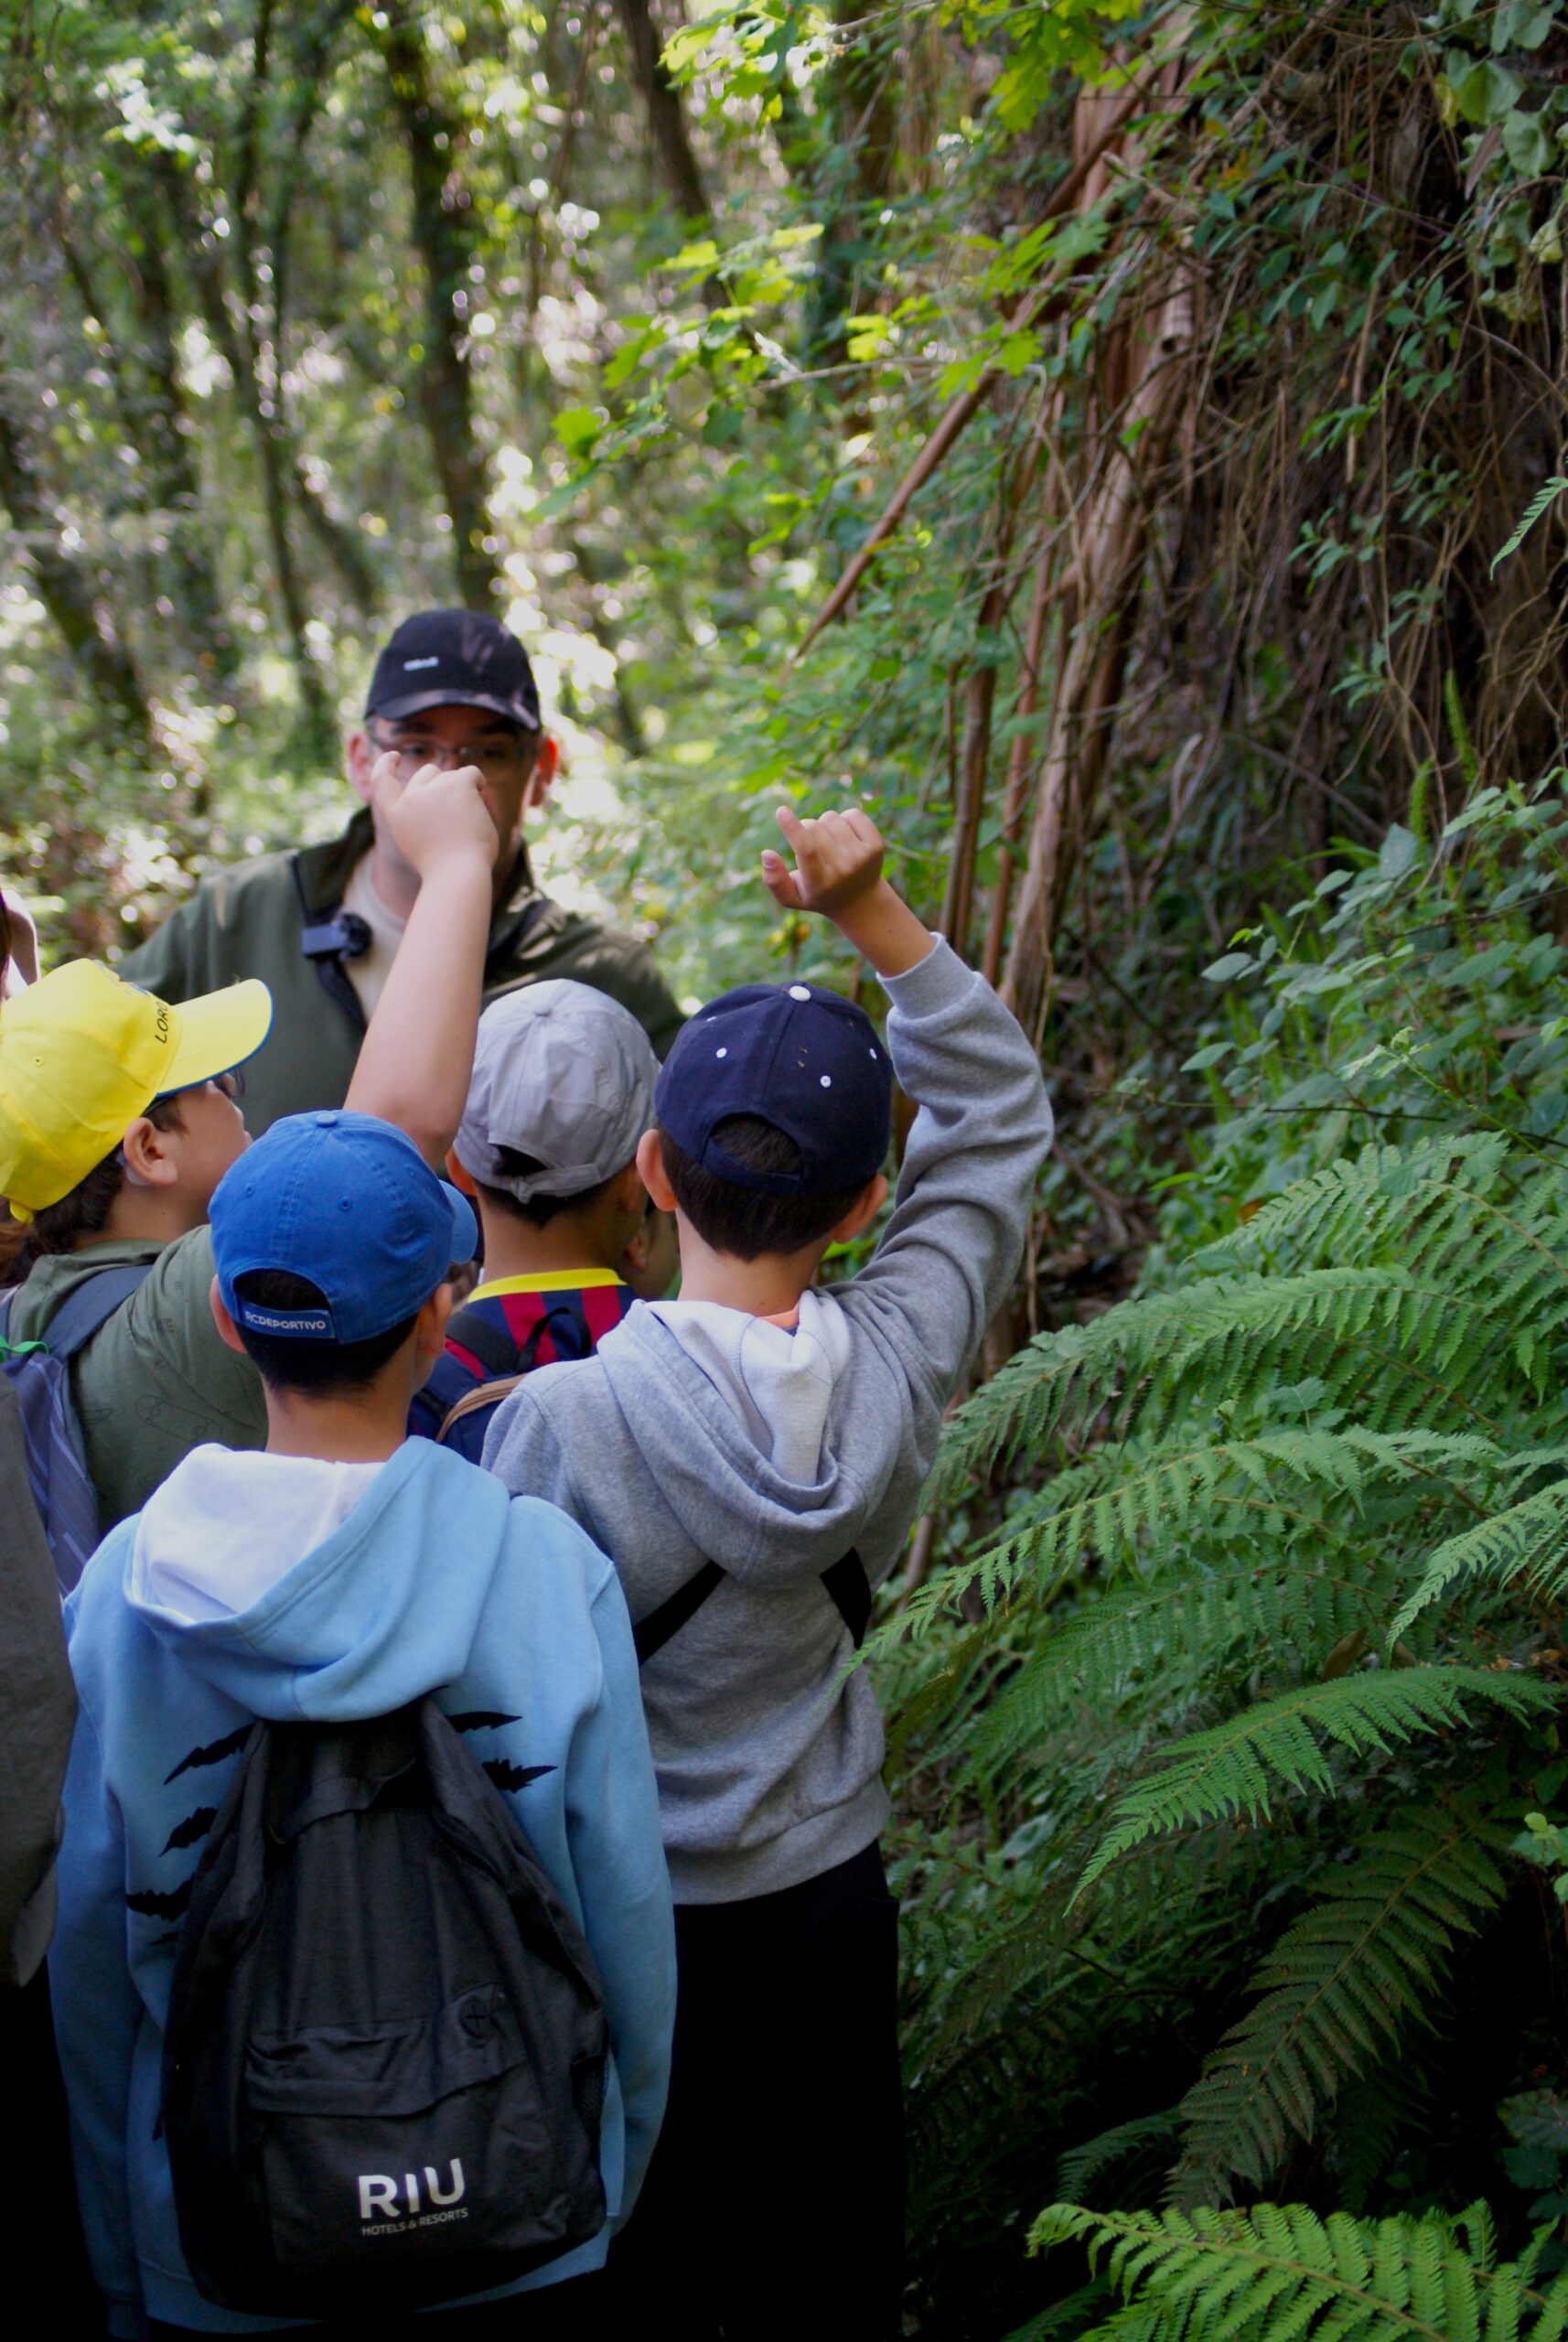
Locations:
(94, 1301)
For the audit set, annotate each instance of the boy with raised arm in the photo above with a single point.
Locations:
(751, 1456)
(118, 1114)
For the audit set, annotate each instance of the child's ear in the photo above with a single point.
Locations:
(429, 1325)
(859, 1216)
(462, 1178)
(651, 1164)
(228, 1332)
(144, 1150)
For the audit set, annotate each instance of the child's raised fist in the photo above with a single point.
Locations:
(838, 858)
(437, 815)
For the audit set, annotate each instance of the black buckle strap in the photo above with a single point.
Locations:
(850, 1588)
(656, 1629)
(344, 935)
(845, 1584)
(472, 1331)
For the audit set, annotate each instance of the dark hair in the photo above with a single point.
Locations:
(539, 1210)
(322, 1368)
(80, 1215)
(743, 1221)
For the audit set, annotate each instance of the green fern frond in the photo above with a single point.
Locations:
(1112, 2149)
(1145, 1500)
(1541, 502)
(1190, 1617)
(1371, 1332)
(1232, 1768)
(1070, 2320)
(1350, 1207)
(1365, 1961)
(1373, 2115)
(1529, 1540)
(1278, 2271)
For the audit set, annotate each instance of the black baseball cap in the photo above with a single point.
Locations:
(806, 1060)
(453, 659)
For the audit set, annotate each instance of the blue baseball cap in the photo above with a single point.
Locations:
(806, 1060)
(349, 1203)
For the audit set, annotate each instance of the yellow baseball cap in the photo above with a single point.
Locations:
(82, 1054)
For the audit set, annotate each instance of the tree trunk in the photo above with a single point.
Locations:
(1020, 760)
(163, 438)
(677, 166)
(241, 350)
(66, 590)
(854, 177)
(980, 696)
(443, 238)
(1112, 539)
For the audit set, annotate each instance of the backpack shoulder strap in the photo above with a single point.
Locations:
(653, 1632)
(849, 1589)
(845, 1584)
(483, 1394)
(93, 1303)
(472, 1331)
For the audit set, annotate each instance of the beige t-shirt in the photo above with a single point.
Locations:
(369, 973)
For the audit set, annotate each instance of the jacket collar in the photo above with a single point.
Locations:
(322, 872)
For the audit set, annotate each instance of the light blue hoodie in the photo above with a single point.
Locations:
(254, 1585)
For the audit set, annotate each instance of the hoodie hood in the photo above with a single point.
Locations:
(779, 1381)
(307, 1590)
(782, 1467)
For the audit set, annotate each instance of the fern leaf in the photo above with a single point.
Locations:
(1371, 2116)
(1189, 1620)
(1112, 2149)
(1541, 502)
(1278, 2271)
(1069, 2321)
(1372, 1331)
(1338, 1988)
(1155, 1498)
(1530, 1540)
(1232, 1768)
(1343, 1210)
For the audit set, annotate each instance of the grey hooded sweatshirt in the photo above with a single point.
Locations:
(698, 1431)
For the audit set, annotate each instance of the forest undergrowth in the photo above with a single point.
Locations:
(1234, 1835)
(1091, 436)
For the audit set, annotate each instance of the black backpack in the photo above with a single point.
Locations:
(384, 2062)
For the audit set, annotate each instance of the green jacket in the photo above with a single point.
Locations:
(279, 918)
(156, 1380)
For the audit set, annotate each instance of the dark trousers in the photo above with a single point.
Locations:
(563, 2313)
(773, 2207)
(40, 2195)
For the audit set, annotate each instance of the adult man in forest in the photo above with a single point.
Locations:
(321, 925)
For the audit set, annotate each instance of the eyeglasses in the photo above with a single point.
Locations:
(496, 760)
(231, 1084)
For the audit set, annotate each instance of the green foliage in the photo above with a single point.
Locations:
(1279, 2270)
(1264, 1579)
(1345, 1981)
(1232, 1767)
